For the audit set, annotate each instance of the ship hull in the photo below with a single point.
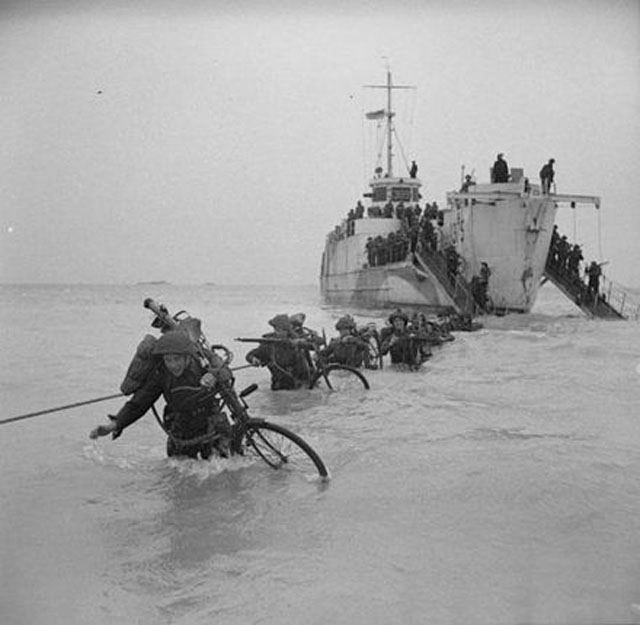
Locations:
(395, 285)
(505, 228)
(512, 235)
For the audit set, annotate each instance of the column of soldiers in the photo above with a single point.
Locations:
(565, 258)
(408, 340)
(416, 231)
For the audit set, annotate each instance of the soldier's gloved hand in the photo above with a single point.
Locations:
(104, 430)
(208, 380)
(254, 361)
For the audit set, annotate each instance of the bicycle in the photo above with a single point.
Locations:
(276, 445)
(321, 373)
(369, 334)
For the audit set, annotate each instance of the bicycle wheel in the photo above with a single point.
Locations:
(280, 448)
(337, 377)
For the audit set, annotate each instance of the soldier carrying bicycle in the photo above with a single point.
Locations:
(280, 351)
(295, 358)
(348, 348)
(176, 370)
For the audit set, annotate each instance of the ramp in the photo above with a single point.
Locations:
(593, 304)
(456, 287)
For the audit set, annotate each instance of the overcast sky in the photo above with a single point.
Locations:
(219, 141)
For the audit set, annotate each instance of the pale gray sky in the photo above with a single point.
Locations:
(219, 141)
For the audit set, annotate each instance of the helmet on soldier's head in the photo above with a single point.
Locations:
(280, 322)
(398, 314)
(345, 323)
(173, 342)
(297, 319)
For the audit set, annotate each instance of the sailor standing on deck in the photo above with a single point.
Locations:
(546, 176)
(500, 171)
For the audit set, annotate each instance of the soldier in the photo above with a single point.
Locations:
(369, 248)
(453, 262)
(483, 285)
(563, 252)
(284, 357)
(399, 342)
(593, 272)
(347, 348)
(573, 262)
(188, 424)
(300, 331)
(553, 247)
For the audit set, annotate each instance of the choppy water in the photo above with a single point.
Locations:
(500, 484)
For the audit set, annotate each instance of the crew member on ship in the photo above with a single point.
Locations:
(500, 169)
(546, 176)
(468, 182)
(413, 172)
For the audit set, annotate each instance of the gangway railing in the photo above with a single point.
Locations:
(620, 299)
(455, 285)
(609, 301)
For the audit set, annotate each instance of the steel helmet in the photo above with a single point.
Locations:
(346, 323)
(398, 314)
(173, 342)
(297, 319)
(280, 322)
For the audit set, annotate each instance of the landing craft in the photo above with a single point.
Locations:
(376, 258)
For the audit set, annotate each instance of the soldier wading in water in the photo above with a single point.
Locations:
(177, 367)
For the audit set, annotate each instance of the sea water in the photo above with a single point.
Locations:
(498, 484)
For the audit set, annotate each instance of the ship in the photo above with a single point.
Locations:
(486, 249)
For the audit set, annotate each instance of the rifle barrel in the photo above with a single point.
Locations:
(263, 340)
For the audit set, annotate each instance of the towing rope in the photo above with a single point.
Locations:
(59, 408)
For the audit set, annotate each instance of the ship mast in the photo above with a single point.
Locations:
(389, 115)
(389, 126)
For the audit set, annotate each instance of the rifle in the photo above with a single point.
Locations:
(266, 339)
(300, 342)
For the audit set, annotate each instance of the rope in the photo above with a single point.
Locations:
(599, 236)
(404, 156)
(59, 408)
